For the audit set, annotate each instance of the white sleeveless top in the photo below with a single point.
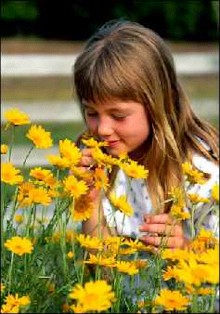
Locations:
(138, 198)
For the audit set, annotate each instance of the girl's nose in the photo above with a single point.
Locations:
(104, 128)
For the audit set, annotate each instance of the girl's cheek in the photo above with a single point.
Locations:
(91, 124)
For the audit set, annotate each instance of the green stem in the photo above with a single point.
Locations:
(29, 220)
(10, 273)
(192, 223)
(83, 267)
(14, 203)
(212, 303)
(11, 143)
(28, 154)
(118, 290)
(62, 228)
(57, 213)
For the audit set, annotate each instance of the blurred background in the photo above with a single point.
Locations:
(41, 39)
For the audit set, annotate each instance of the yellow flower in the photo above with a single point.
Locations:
(177, 196)
(177, 254)
(178, 213)
(94, 296)
(91, 142)
(113, 243)
(19, 218)
(215, 192)
(127, 267)
(101, 260)
(59, 162)
(44, 175)
(7, 308)
(205, 291)
(39, 196)
(28, 194)
(40, 137)
(19, 245)
(70, 254)
(121, 203)
(196, 198)
(77, 309)
(80, 173)
(82, 208)
(10, 175)
(75, 187)
(193, 175)
(172, 300)
(135, 244)
(169, 273)
(13, 303)
(23, 193)
(16, 117)
(70, 235)
(134, 170)
(70, 151)
(204, 240)
(90, 242)
(2, 287)
(193, 273)
(4, 149)
(103, 159)
(101, 179)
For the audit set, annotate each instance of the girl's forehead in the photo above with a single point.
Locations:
(116, 105)
(110, 103)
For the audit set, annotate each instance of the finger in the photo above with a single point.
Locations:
(86, 151)
(86, 161)
(168, 242)
(162, 229)
(158, 219)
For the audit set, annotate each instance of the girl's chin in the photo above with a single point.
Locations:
(115, 152)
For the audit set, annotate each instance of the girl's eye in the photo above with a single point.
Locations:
(118, 117)
(91, 114)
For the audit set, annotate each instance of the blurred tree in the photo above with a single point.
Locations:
(18, 17)
(78, 19)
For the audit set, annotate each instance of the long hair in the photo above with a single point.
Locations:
(126, 61)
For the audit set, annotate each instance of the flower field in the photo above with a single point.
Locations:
(49, 266)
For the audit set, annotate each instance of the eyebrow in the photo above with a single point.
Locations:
(114, 109)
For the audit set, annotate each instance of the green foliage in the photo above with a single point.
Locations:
(18, 10)
(176, 20)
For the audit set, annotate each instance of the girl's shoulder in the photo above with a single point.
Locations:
(202, 163)
(205, 165)
(211, 171)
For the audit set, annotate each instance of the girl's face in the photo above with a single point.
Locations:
(124, 125)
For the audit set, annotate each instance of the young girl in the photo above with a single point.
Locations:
(130, 97)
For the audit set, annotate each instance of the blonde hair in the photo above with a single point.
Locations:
(126, 61)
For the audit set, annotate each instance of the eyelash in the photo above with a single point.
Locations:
(113, 116)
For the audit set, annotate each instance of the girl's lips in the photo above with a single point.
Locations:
(112, 143)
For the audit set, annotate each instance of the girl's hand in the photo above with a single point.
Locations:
(162, 230)
(87, 161)
(87, 164)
